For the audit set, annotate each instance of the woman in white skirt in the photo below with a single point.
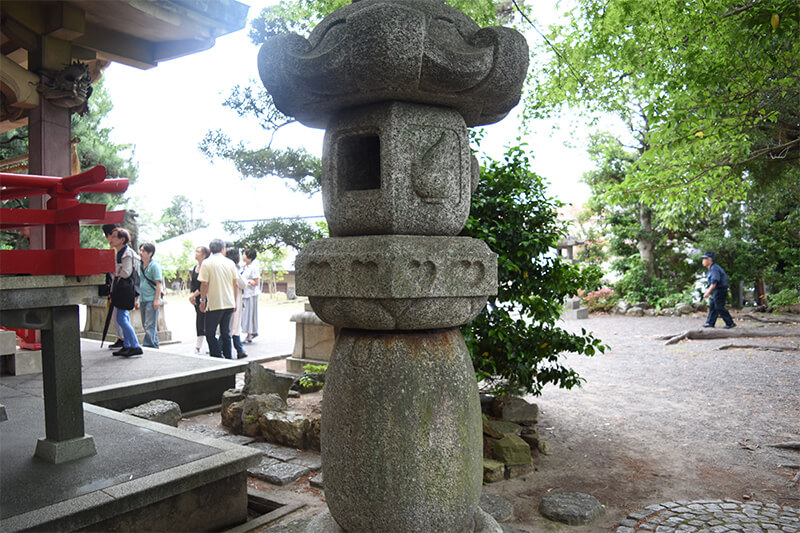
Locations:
(251, 274)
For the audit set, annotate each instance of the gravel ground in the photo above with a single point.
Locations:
(656, 423)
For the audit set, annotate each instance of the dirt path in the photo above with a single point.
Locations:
(654, 424)
(657, 423)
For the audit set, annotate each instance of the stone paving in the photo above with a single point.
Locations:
(713, 516)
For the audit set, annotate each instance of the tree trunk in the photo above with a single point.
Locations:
(713, 333)
(645, 244)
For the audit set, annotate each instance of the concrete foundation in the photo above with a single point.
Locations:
(144, 477)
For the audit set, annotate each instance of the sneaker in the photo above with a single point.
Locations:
(121, 352)
(731, 326)
(241, 355)
(133, 351)
(707, 326)
(117, 345)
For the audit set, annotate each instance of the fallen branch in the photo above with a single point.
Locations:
(773, 319)
(795, 479)
(786, 445)
(767, 347)
(715, 333)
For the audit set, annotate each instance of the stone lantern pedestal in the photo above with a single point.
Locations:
(396, 84)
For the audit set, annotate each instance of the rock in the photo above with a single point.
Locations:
(643, 305)
(531, 436)
(317, 481)
(684, 308)
(287, 428)
(651, 312)
(231, 416)
(498, 428)
(493, 471)
(255, 406)
(512, 450)
(517, 410)
(313, 434)
(634, 311)
(277, 472)
(544, 447)
(498, 507)
(670, 312)
(260, 380)
(231, 396)
(572, 508)
(513, 471)
(700, 306)
(510, 529)
(622, 307)
(161, 411)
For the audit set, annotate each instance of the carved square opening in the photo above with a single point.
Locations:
(359, 164)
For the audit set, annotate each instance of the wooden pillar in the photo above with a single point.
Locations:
(48, 128)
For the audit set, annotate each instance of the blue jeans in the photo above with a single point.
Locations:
(221, 318)
(124, 321)
(150, 323)
(716, 307)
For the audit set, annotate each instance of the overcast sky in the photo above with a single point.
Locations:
(166, 111)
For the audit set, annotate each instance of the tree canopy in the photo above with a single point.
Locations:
(712, 87)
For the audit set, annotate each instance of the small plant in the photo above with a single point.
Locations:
(313, 377)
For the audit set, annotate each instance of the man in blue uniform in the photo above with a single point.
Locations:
(718, 290)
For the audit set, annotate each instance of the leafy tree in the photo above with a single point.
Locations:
(176, 266)
(716, 81)
(182, 216)
(514, 342)
(274, 234)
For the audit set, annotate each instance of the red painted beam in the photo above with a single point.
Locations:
(74, 262)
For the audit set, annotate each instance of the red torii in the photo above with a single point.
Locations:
(62, 220)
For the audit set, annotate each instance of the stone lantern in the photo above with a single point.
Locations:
(396, 84)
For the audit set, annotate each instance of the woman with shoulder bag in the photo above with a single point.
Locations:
(123, 291)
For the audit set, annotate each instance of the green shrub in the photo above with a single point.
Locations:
(784, 298)
(602, 300)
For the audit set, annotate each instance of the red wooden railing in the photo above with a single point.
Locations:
(62, 220)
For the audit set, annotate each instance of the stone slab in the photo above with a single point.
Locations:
(23, 362)
(498, 507)
(8, 342)
(277, 472)
(311, 461)
(571, 508)
(209, 432)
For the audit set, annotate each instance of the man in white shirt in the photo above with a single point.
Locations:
(218, 285)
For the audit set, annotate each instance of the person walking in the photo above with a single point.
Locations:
(123, 291)
(150, 282)
(236, 318)
(218, 285)
(108, 229)
(200, 254)
(252, 275)
(718, 291)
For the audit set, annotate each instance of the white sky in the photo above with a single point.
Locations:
(165, 112)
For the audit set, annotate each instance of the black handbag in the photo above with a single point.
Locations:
(123, 295)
